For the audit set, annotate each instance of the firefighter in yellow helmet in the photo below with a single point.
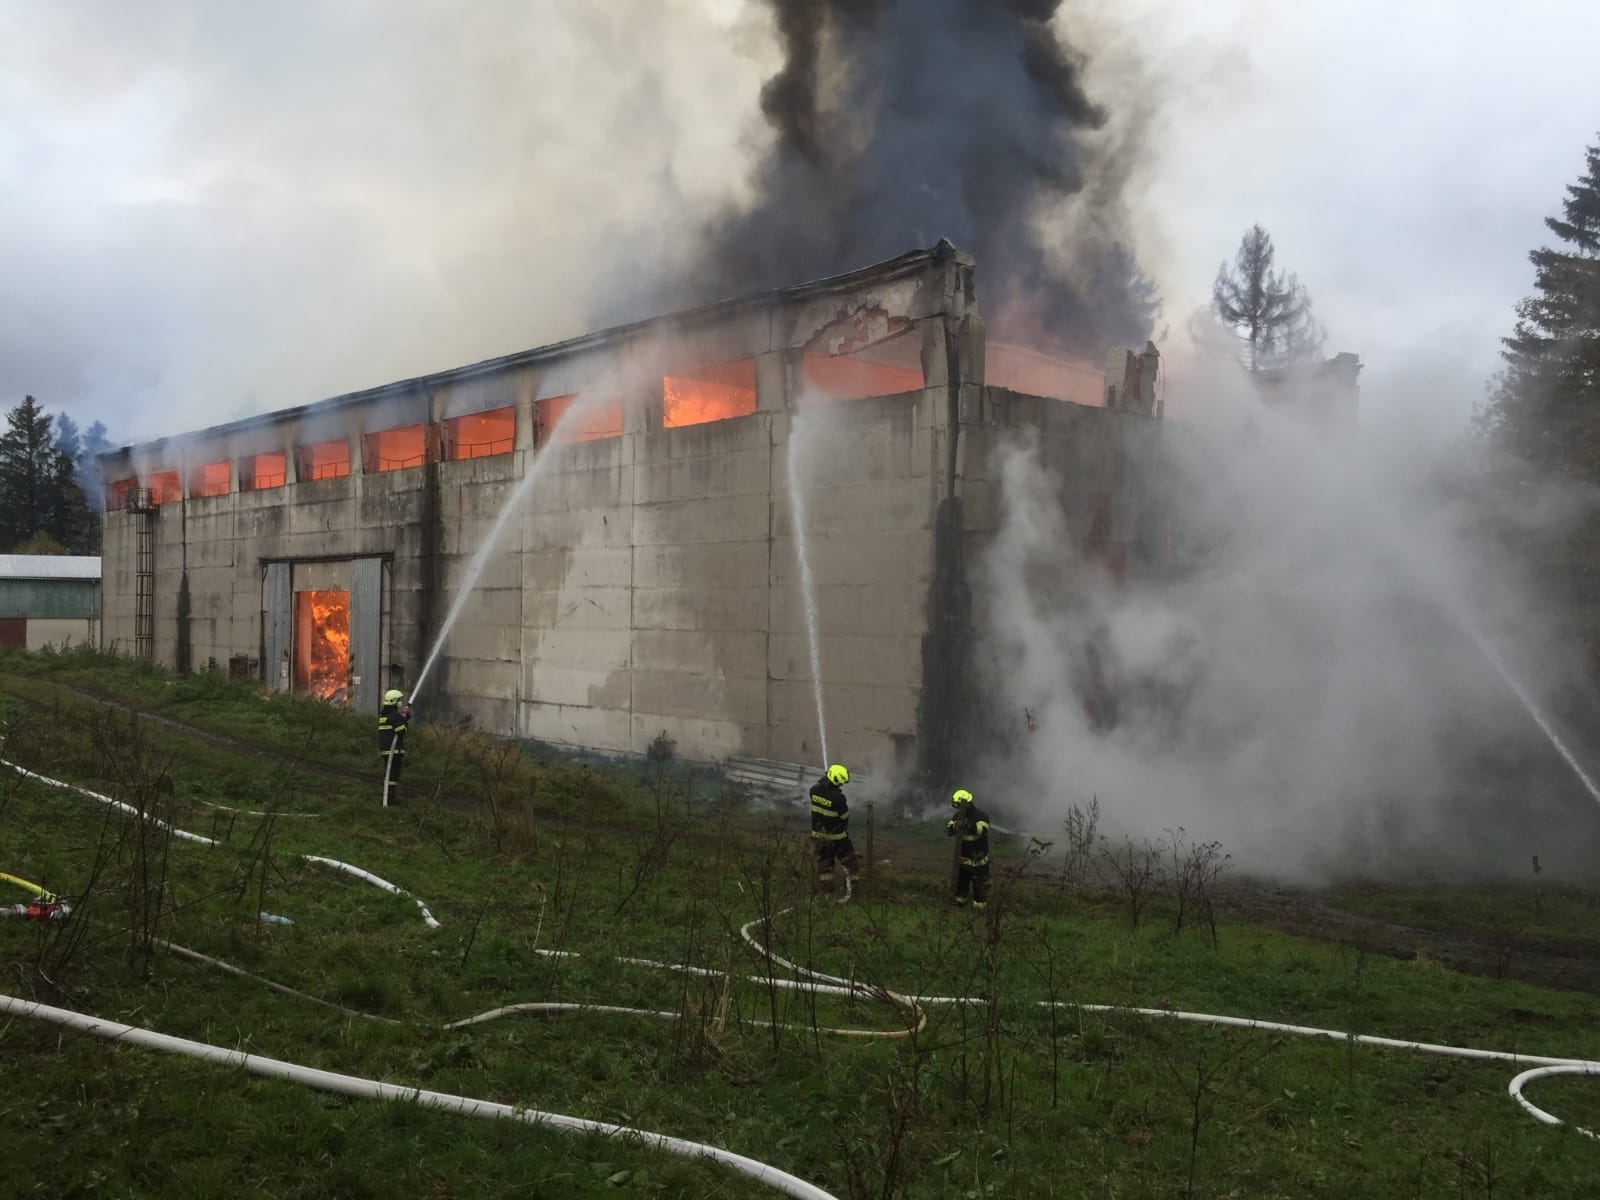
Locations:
(830, 825)
(972, 827)
(392, 720)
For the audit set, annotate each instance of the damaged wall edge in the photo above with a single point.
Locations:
(947, 644)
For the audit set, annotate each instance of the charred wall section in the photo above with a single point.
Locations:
(1114, 490)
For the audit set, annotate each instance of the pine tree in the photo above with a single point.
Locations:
(1546, 406)
(1268, 311)
(1545, 409)
(78, 494)
(39, 492)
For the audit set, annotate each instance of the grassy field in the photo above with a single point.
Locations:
(518, 856)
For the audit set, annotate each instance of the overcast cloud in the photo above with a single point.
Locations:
(214, 210)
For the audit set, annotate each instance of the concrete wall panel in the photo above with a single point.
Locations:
(61, 632)
(596, 728)
(686, 694)
(878, 659)
(735, 655)
(739, 609)
(597, 649)
(702, 564)
(731, 519)
(578, 608)
(482, 678)
(578, 686)
(707, 740)
(492, 643)
(582, 566)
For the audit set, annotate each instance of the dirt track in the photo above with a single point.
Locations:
(1574, 966)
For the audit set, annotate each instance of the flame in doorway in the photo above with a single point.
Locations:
(322, 644)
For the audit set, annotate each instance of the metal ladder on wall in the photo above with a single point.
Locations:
(144, 575)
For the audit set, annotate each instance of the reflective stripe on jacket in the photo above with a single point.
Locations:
(972, 827)
(391, 730)
(830, 811)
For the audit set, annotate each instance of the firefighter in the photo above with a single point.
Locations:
(972, 827)
(392, 718)
(830, 826)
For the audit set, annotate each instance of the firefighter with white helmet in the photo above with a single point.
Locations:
(392, 720)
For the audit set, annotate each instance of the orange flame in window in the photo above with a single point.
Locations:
(396, 449)
(842, 377)
(324, 460)
(263, 471)
(603, 419)
(481, 435)
(213, 479)
(713, 393)
(164, 487)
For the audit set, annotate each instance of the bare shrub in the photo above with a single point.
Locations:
(1204, 1063)
(1135, 866)
(1190, 871)
(652, 844)
(1082, 828)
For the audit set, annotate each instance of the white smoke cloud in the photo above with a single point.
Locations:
(214, 211)
(1306, 687)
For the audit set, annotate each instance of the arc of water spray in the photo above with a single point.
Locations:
(796, 463)
(1406, 565)
(530, 476)
(1533, 708)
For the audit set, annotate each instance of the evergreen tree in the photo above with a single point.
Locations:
(1267, 310)
(1546, 405)
(78, 522)
(1545, 410)
(39, 492)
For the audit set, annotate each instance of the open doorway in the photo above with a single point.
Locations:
(322, 644)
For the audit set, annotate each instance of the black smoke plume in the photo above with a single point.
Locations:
(898, 122)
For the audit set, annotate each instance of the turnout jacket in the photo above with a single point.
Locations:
(830, 811)
(972, 827)
(392, 720)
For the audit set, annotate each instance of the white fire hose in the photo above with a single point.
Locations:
(427, 916)
(771, 1176)
(185, 835)
(117, 804)
(373, 1089)
(1543, 1067)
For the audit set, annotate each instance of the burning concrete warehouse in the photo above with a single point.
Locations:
(650, 582)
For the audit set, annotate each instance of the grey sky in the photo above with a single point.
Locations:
(211, 210)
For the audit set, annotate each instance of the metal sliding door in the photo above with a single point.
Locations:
(277, 613)
(366, 633)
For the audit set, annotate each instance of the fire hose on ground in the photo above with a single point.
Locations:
(373, 1089)
(1542, 1066)
(185, 835)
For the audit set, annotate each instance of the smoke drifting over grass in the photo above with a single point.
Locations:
(1305, 686)
(898, 122)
